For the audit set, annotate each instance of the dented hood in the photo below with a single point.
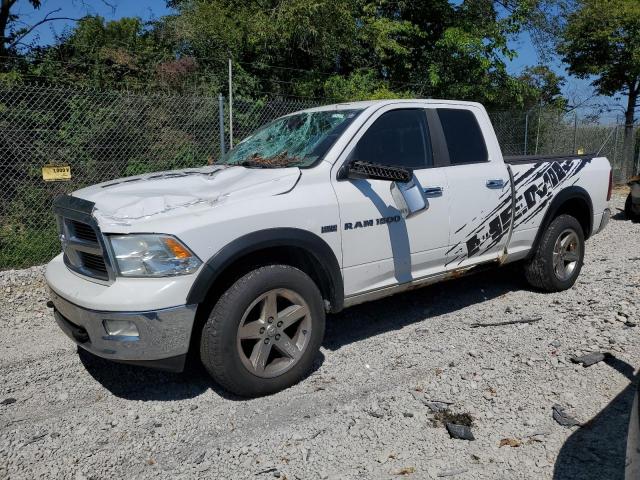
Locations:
(128, 200)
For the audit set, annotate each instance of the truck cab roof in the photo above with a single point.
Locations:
(362, 105)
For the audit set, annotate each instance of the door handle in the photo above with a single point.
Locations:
(495, 184)
(432, 192)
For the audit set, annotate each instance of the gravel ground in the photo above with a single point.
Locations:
(363, 412)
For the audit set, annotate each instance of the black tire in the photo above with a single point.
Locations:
(540, 271)
(220, 349)
(628, 210)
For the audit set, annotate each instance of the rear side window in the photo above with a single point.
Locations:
(399, 138)
(463, 136)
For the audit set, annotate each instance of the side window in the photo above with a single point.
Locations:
(463, 136)
(399, 138)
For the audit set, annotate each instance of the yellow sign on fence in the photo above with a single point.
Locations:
(56, 173)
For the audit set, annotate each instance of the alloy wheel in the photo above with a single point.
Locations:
(274, 332)
(566, 254)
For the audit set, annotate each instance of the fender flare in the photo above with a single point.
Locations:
(563, 196)
(272, 237)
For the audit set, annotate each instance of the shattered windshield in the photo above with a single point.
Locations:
(293, 141)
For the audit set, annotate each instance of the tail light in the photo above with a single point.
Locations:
(610, 185)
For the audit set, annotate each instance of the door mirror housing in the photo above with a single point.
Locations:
(409, 197)
(407, 193)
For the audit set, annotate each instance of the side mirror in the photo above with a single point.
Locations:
(409, 197)
(407, 193)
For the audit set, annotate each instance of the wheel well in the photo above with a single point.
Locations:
(283, 255)
(574, 201)
(277, 255)
(579, 209)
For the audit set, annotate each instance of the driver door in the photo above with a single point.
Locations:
(380, 248)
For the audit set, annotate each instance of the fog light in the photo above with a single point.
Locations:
(124, 328)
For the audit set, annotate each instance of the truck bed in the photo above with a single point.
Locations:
(522, 159)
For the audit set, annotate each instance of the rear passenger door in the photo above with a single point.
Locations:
(479, 189)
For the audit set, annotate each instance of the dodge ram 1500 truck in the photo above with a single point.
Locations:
(315, 212)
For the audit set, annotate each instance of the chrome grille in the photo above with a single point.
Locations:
(82, 242)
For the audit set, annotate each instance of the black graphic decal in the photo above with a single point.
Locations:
(535, 189)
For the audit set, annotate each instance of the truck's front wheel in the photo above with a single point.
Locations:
(264, 332)
(558, 259)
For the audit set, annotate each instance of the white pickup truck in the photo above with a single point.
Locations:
(315, 212)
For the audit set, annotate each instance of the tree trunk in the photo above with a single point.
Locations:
(626, 167)
(5, 6)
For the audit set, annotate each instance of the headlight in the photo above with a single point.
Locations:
(152, 256)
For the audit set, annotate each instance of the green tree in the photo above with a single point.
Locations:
(542, 87)
(299, 47)
(360, 85)
(602, 40)
(119, 53)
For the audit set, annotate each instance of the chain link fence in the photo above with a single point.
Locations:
(548, 132)
(106, 135)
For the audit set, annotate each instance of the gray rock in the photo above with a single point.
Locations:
(203, 467)
(452, 473)
(437, 406)
(589, 359)
(418, 395)
(563, 418)
(199, 458)
(460, 432)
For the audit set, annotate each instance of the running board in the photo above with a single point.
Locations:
(419, 283)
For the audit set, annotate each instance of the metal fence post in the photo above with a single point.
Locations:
(615, 146)
(526, 131)
(230, 104)
(636, 170)
(538, 132)
(221, 123)
(575, 131)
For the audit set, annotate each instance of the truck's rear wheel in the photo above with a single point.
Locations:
(264, 332)
(558, 259)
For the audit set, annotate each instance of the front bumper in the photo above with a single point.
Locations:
(162, 341)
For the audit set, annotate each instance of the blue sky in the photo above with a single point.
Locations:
(146, 9)
(149, 9)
